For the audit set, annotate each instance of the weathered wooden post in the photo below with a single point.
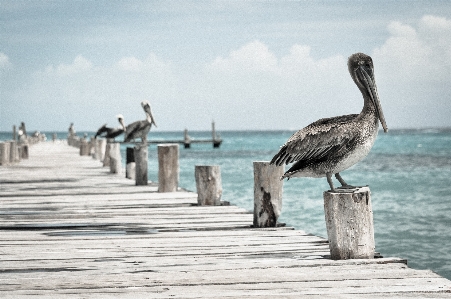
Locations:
(102, 149)
(106, 158)
(96, 145)
(115, 158)
(14, 133)
(130, 164)
(268, 189)
(349, 223)
(13, 152)
(84, 148)
(208, 185)
(4, 153)
(168, 167)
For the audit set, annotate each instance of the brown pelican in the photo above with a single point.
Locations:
(106, 132)
(140, 129)
(331, 145)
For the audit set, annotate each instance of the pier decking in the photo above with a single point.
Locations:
(69, 228)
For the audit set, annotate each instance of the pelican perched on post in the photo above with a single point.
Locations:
(140, 129)
(107, 132)
(331, 145)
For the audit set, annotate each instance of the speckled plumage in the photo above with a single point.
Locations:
(331, 145)
(140, 129)
(108, 132)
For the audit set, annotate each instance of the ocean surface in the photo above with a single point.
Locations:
(408, 171)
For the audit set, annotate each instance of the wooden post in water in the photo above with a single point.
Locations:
(186, 139)
(349, 223)
(168, 167)
(130, 164)
(208, 185)
(268, 189)
(4, 153)
(216, 140)
(115, 158)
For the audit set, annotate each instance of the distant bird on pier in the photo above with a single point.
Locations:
(107, 132)
(140, 129)
(331, 145)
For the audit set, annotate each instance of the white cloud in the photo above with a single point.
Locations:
(4, 61)
(260, 89)
(254, 56)
(79, 65)
(417, 54)
(130, 64)
(91, 95)
(150, 64)
(413, 70)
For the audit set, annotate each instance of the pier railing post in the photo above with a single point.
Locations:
(115, 158)
(208, 185)
(349, 223)
(4, 153)
(268, 189)
(96, 145)
(106, 158)
(168, 167)
(84, 148)
(139, 164)
(93, 147)
(13, 152)
(102, 148)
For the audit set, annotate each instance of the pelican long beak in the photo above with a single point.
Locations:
(121, 120)
(370, 84)
(149, 113)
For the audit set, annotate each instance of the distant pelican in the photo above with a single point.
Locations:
(331, 145)
(106, 132)
(140, 129)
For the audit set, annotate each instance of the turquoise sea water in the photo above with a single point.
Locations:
(408, 171)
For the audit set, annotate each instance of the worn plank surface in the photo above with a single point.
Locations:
(70, 228)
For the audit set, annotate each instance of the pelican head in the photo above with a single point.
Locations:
(146, 107)
(362, 72)
(120, 118)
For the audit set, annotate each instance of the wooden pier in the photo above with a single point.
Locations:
(71, 229)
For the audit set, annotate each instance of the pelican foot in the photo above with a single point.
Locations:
(348, 189)
(344, 190)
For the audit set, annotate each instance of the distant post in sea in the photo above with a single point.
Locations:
(349, 223)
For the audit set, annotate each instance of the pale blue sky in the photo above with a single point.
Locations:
(245, 64)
